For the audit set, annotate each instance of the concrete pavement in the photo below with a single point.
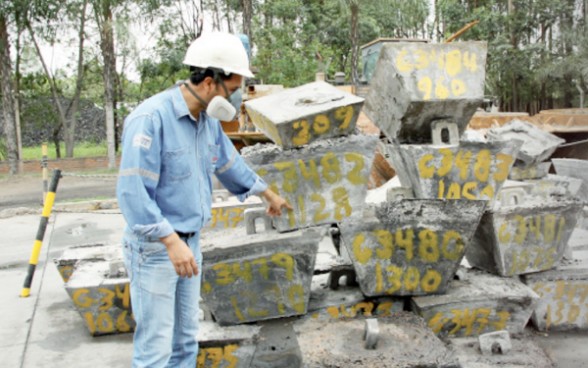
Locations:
(45, 330)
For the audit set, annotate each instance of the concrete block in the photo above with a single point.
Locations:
(555, 186)
(479, 304)
(410, 247)
(576, 169)
(229, 346)
(526, 238)
(414, 85)
(324, 182)
(248, 278)
(347, 302)
(103, 300)
(497, 342)
(299, 116)
(525, 353)
(470, 170)
(563, 292)
(538, 144)
(68, 260)
(404, 340)
(534, 171)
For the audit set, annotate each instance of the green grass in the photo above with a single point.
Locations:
(82, 149)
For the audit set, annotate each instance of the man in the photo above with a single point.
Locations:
(172, 144)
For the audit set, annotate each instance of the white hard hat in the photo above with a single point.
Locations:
(221, 51)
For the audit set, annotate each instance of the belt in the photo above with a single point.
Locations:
(185, 235)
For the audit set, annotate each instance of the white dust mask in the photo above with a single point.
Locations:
(220, 108)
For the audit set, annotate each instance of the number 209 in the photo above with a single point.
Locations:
(321, 124)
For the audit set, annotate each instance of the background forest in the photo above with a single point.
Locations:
(537, 51)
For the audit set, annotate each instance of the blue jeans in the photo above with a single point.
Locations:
(165, 306)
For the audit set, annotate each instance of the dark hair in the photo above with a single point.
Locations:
(197, 75)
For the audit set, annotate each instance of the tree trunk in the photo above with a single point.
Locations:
(228, 16)
(52, 84)
(104, 17)
(70, 128)
(247, 16)
(7, 98)
(216, 16)
(514, 43)
(354, 41)
(17, 102)
(569, 26)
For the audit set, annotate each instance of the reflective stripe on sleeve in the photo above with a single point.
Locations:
(228, 165)
(140, 172)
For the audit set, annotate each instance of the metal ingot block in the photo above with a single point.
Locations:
(249, 278)
(410, 247)
(576, 169)
(479, 304)
(563, 292)
(531, 172)
(538, 144)
(526, 238)
(301, 115)
(229, 346)
(229, 214)
(470, 170)
(347, 302)
(104, 302)
(324, 182)
(556, 185)
(68, 260)
(414, 85)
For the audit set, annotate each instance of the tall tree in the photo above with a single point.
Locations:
(354, 9)
(247, 6)
(37, 20)
(7, 92)
(103, 13)
(72, 111)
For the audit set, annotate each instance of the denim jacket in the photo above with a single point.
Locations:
(168, 159)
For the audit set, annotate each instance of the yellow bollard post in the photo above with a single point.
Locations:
(44, 170)
(47, 207)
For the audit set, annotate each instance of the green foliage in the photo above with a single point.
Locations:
(82, 149)
(295, 39)
(3, 150)
(537, 50)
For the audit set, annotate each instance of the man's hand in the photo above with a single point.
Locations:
(180, 255)
(275, 203)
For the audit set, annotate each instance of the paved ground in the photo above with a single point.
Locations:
(45, 330)
(27, 190)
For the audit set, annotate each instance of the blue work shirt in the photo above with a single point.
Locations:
(168, 159)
